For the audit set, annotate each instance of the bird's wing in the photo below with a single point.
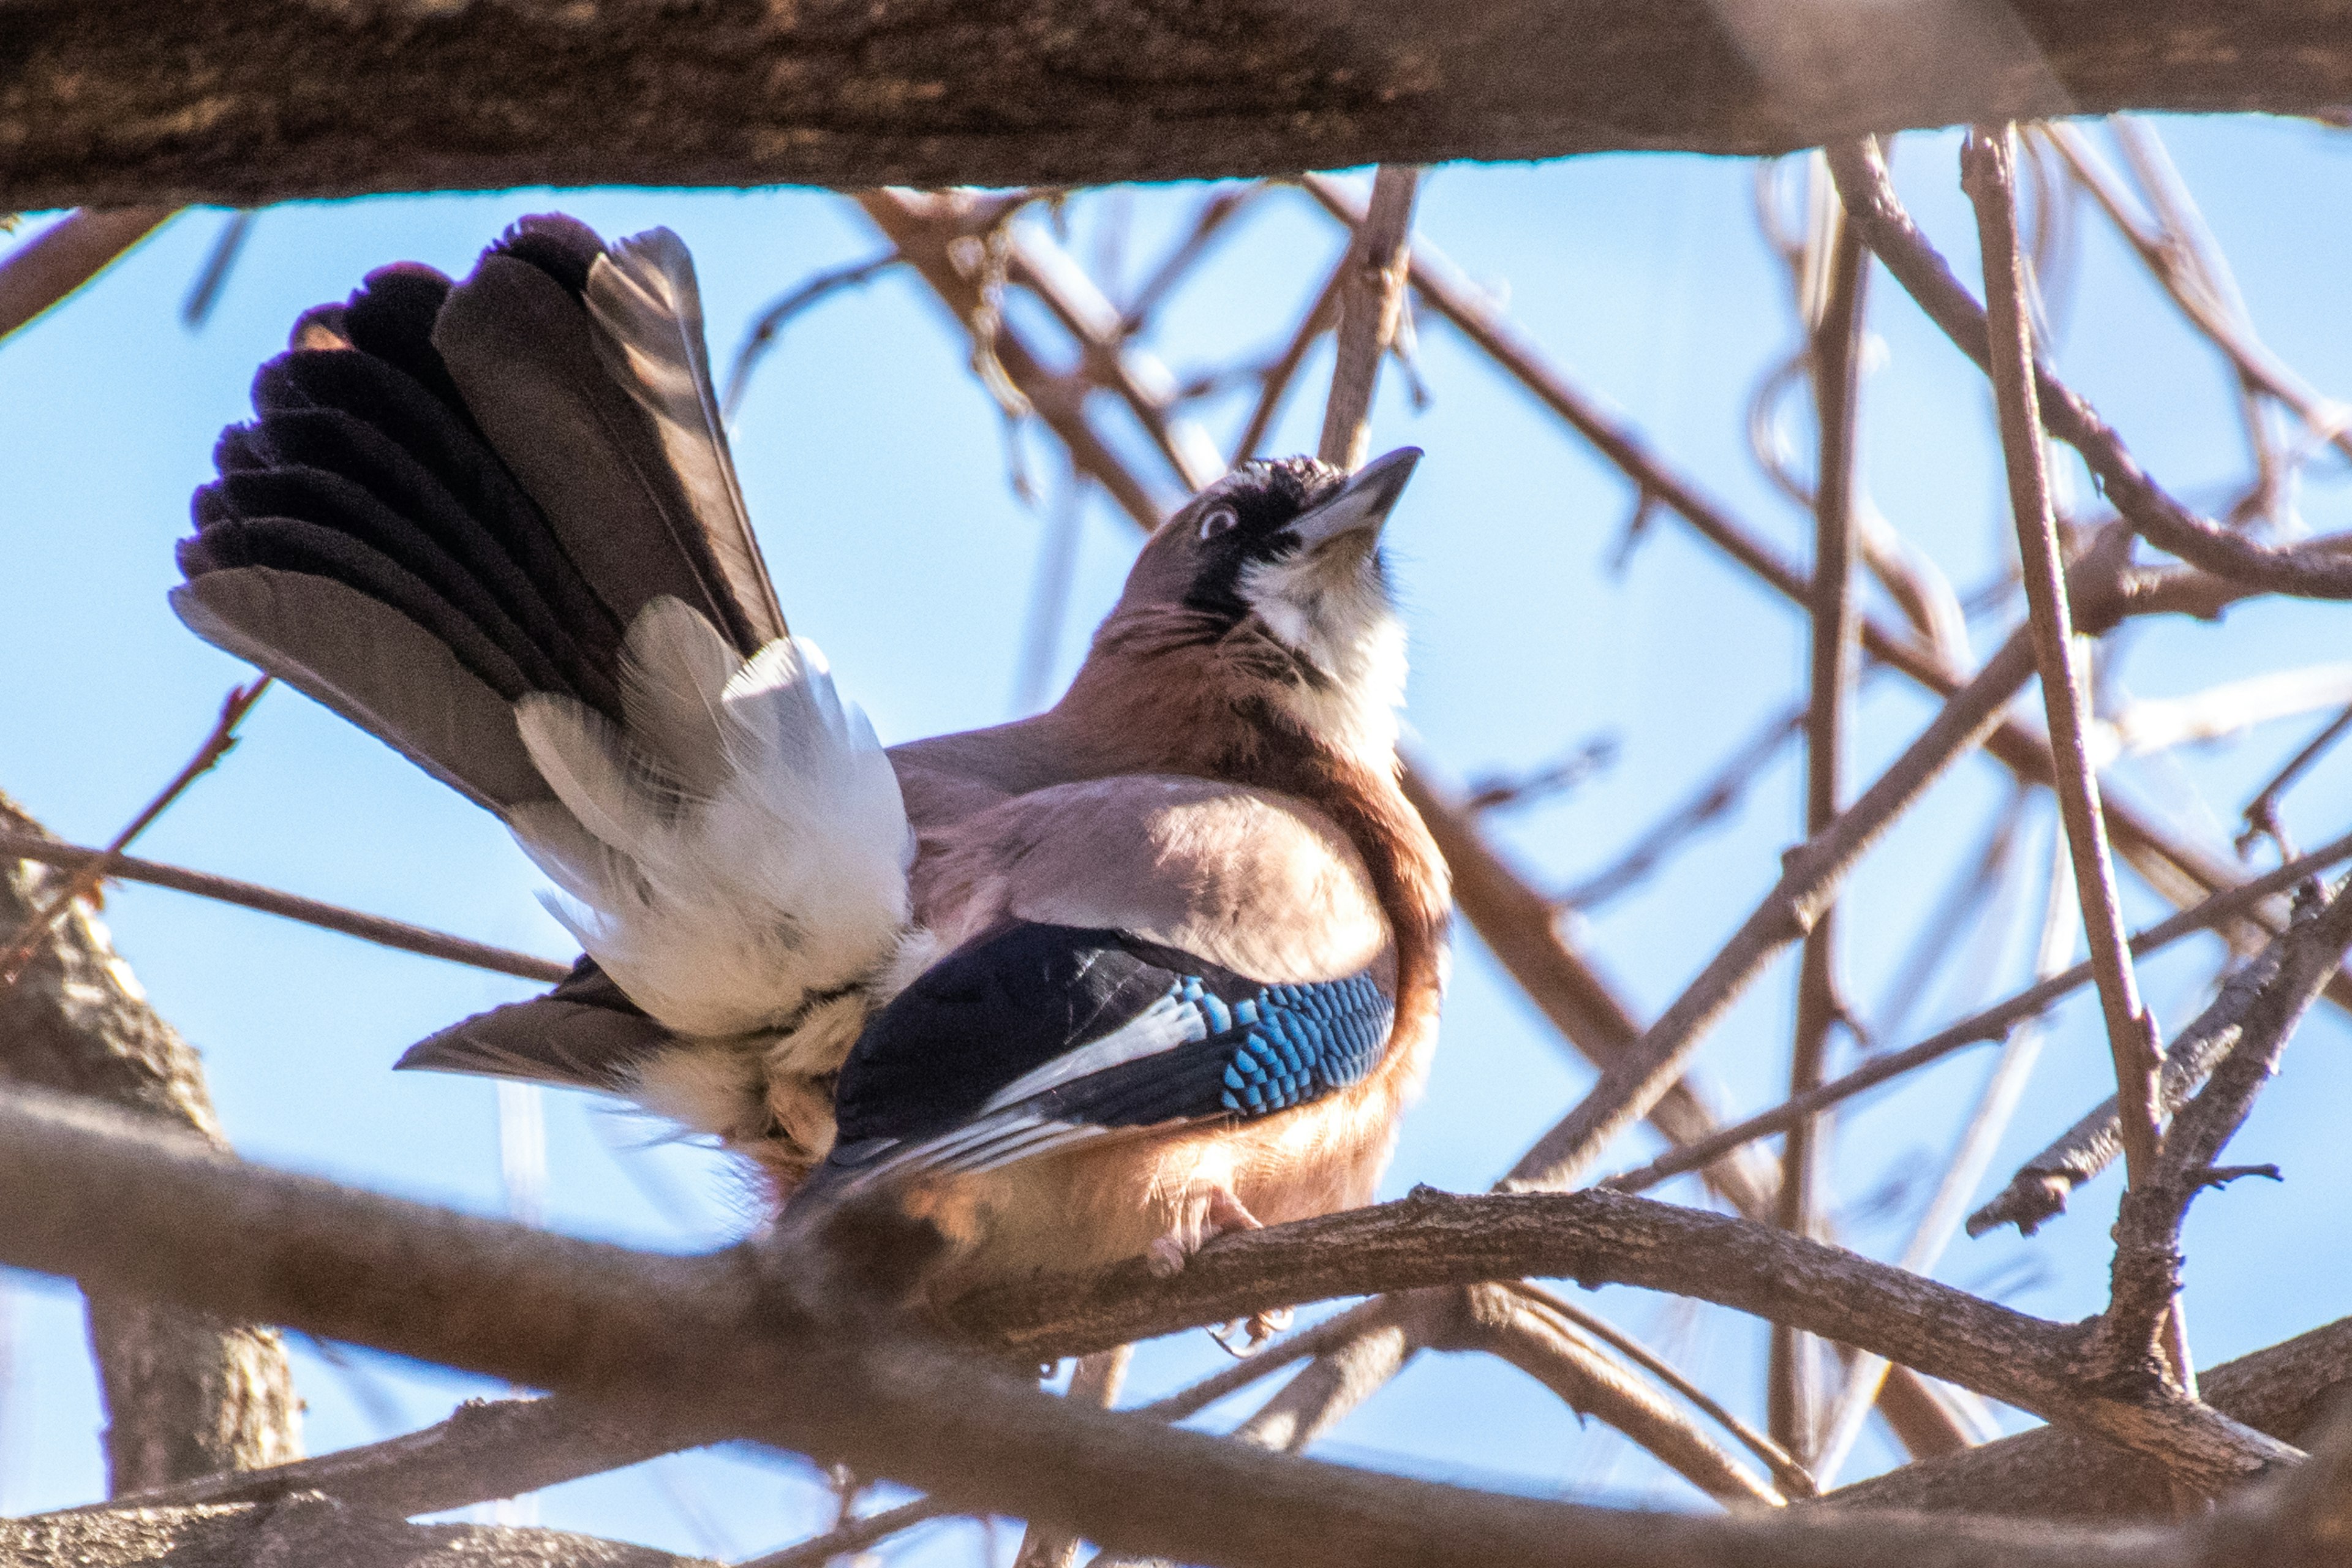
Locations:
(1043, 1037)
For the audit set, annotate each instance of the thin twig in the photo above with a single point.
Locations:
(1794, 1375)
(82, 883)
(2170, 257)
(290, 905)
(854, 1535)
(1793, 1477)
(205, 291)
(1525, 1334)
(1992, 1024)
(761, 336)
(1274, 382)
(2261, 816)
(1812, 873)
(1988, 159)
(1369, 310)
(1710, 803)
(1939, 934)
(1209, 223)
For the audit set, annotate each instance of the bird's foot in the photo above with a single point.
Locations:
(1219, 1214)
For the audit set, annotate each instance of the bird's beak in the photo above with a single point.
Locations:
(1363, 504)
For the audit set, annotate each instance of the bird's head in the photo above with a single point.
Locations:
(1276, 571)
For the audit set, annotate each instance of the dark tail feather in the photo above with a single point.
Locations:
(583, 1034)
(453, 495)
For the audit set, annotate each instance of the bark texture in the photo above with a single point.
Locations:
(2286, 1391)
(306, 1531)
(143, 100)
(185, 1395)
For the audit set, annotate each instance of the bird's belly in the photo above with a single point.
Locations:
(1103, 1204)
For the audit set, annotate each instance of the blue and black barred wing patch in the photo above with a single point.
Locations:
(1148, 1036)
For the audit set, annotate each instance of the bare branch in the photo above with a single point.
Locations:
(185, 1395)
(1369, 310)
(1988, 159)
(2256, 1012)
(300, 1532)
(2311, 570)
(1273, 383)
(1992, 1024)
(44, 269)
(485, 1450)
(1522, 1332)
(2167, 256)
(2050, 1473)
(22, 845)
(1793, 1382)
(217, 744)
(1812, 872)
(725, 1337)
(1792, 1477)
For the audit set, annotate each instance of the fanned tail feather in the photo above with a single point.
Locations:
(496, 524)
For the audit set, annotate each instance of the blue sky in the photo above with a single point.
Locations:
(878, 472)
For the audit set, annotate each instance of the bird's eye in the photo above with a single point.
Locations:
(1218, 522)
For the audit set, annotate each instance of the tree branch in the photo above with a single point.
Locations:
(1370, 306)
(164, 104)
(732, 1340)
(1793, 1377)
(184, 1393)
(301, 1531)
(1987, 161)
(44, 269)
(2153, 514)
(2259, 1011)
(23, 846)
(1992, 1024)
(2051, 1473)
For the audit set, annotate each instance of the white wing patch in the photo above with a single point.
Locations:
(739, 850)
(1163, 1026)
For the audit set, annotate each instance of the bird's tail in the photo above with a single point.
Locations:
(496, 523)
(454, 496)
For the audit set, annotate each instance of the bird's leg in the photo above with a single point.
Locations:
(1219, 1213)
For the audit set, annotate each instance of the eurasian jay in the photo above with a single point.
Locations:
(1160, 963)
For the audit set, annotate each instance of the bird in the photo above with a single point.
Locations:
(1161, 962)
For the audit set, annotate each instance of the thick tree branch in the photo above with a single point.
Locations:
(303, 1531)
(152, 103)
(748, 1351)
(185, 1395)
(2051, 1473)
